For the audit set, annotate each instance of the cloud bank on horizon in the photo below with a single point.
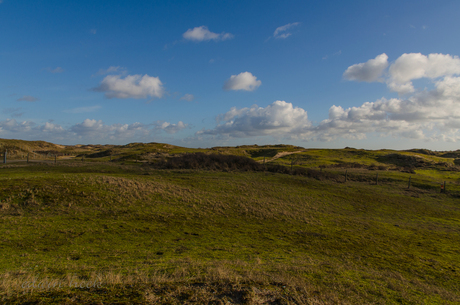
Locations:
(427, 114)
(90, 130)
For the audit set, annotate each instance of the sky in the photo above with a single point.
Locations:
(317, 74)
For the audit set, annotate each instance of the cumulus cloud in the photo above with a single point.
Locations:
(187, 97)
(416, 65)
(202, 33)
(27, 98)
(404, 70)
(13, 126)
(277, 119)
(430, 115)
(51, 128)
(169, 127)
(132, 86)
(369, 71)
(243, 81)
(282, 31)
(96, 129)
(83, 109)
(424, 115)
(30, 128)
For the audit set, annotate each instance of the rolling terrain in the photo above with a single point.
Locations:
(156, 223)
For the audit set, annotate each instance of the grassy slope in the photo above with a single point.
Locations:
(156, 235)
(18, 149)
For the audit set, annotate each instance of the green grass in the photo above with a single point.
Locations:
(154, 235)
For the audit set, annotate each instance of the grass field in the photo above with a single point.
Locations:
(131, 233)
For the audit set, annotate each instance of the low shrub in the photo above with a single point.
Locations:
(211, 162)
(237, 163)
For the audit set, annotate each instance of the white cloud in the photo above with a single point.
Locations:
(407, 67)
(132, 86)
(28, 128)
(12, 125)
(83, 109)
(431, 115)
(89, 130)
(416, 65)
(282, 31)
(27, 98)
(187, 97)
(369, 71)
(243, 81)
(96, 129)
(51, 128)
(169, 127)
(277, 119)
(201, 33)
(424, 115)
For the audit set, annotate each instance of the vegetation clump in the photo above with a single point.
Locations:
(225, 163)
(210, 161)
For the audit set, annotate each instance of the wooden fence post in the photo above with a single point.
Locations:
(408, 187)
(346, 175)
(4, 156)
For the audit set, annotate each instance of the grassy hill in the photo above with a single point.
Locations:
(143, 233)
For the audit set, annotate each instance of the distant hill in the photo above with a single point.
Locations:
(278, 153)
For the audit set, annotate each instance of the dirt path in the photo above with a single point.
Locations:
(282, 154)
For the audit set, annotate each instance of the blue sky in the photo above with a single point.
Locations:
(365, 74)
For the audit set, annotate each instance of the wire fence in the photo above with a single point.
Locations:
(292, 168)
